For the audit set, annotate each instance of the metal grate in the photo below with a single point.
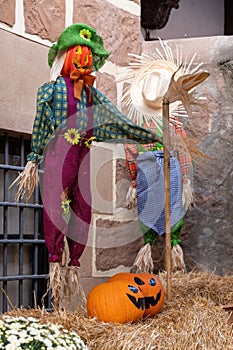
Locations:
(23, 256)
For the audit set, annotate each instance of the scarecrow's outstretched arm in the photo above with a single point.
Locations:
(111, 125)
(43, 126)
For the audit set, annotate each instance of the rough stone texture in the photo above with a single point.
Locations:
(209, 243)
(107, 85)
(207, 233)
(18, 93)
(7, 12)
(119, 29)
(117, 243)
(45, 18)
(122, 182)
(102, 180)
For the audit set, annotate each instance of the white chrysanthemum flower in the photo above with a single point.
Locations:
(48, 342)
(12, 338)
(21, 318)
(9, 347)
(55, 328)
(33, 331)
(32, 319)
(19, 332)
(14, 341)
(23, 334)
(39, 338)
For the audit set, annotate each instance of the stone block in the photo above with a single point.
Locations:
(102, 179)
(90, 282)
(45, 18)
(119, 29)
(18, 93)
(122, 182)
(117, 243)
(107, 85)
(7, 12)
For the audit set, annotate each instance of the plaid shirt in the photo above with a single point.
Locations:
(109, 123)
(132, 151)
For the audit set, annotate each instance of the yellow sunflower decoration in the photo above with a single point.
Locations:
(72, 136)
(86, 34)
(88, 142)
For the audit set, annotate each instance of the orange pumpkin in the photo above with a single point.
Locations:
(151, 288)
(78, 57)
(119, 302)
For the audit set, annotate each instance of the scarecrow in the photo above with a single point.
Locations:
(71, 113)
(149, 79)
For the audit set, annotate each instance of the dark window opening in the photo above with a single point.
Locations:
(228, 23)
(175, 19)
(23, 255)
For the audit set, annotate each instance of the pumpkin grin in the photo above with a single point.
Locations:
(78, 65)
(139, 303)
(146, 302)
(152, 301)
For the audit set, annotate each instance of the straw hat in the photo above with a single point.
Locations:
(149, 86)
(148, 77)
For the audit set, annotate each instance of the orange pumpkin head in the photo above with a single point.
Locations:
(151, 288)
(78, 57)
(119, 302)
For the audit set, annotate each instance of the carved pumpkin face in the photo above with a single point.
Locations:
(151, 288)
(118, 301)
(78, 57)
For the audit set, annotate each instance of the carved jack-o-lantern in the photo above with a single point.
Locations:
(78, 57)
(119, 301)
(151, 288)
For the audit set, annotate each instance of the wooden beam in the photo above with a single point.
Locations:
(166, 145)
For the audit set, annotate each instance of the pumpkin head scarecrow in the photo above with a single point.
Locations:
(71, 113)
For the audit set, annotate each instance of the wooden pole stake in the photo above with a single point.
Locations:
(166, 144)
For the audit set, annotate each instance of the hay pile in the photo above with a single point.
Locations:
(194, 319)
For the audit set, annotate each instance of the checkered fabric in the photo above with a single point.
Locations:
(150, 190)
(109, 123)
(132, 151)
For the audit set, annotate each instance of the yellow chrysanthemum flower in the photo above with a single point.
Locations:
(72, 136)
(86, 34)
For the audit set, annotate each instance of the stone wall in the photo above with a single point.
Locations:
(114, 235)
(208, 232)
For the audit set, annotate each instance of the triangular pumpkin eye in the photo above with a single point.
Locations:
(133, 289)
(152, 282)
(138, 281)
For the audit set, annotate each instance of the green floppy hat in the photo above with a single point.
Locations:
(80, 34)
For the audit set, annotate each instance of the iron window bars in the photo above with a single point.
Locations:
(23, 256)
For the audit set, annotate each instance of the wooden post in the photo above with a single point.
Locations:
(167, 210)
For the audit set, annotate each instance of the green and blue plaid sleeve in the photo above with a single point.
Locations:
(43, 123)
(111, 125)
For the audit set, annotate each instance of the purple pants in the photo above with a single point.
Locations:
(67, 167)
